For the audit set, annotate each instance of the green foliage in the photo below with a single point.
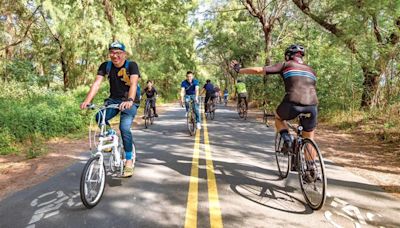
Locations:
(66, 41)
(7, 142)
(39, 113)
(21, 71)
(36, 147)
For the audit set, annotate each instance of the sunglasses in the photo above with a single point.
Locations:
(117, 53)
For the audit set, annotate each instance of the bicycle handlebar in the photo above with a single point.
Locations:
(93, 106)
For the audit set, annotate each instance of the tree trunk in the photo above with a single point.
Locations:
(267, 29)
(64, 67)
(370, 87)
(110, 17)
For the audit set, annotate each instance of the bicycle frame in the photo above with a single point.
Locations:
(210, 103)
(104, 140)
(147, 106)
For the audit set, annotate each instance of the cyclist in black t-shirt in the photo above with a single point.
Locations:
(151, 93)
(123, 76)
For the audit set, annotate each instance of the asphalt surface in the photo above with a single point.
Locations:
(224, 176)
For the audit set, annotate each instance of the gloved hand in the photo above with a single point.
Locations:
(235, 65)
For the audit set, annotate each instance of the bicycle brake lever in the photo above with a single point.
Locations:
(90, 106)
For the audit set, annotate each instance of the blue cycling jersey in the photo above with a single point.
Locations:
(190, 88)
(209, 88)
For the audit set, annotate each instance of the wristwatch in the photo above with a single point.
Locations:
(130, 99)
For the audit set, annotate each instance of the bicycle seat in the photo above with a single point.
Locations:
(304, 115)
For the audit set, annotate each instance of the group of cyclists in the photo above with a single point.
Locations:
(123, 76)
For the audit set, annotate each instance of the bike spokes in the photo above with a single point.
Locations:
(92, 182)
(312, 174)
(282, 157)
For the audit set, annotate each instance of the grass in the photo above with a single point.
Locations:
(381, 125)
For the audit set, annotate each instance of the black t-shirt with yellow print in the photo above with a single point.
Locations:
(119, 78)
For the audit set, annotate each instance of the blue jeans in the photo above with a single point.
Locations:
(195, 106)
(125, 121)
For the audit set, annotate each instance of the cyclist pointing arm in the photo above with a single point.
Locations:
(300, 90)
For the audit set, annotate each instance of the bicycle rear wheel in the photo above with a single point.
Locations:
(243, 110)
(92, 182)
(212, 111)
(282, 157)
(312, 176)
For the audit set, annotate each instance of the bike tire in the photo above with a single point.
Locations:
(190, 123)
(242, 110)
(146, 116)
(282, 158)
(265, 118)
(313, 185)
(92, 168)
(212, 115)
(151, 116)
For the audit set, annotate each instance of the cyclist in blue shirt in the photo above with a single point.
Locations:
(226, 93)
(190, 91)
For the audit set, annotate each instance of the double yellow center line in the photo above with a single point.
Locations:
(192, 202)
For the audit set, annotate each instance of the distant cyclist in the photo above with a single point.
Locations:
(190, 91)
(226, 94)
(300, 91)
(210, 93)
(151, 94)
(217, 91)
(123, 76)
(241, 92)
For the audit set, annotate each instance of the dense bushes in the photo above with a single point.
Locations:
(31, 114)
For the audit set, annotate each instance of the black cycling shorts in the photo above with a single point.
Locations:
(242, 95)
(289, 111)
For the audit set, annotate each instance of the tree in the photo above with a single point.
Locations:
(369, 29)
(267, 12)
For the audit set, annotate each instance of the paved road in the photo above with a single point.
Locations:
(225, 176)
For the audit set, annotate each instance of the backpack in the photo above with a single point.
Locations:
(126, 66)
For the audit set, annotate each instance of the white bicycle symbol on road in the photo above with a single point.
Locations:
(49, 203)
(342, 214)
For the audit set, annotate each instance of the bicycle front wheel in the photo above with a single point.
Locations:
(146, 117)
(282, 157)
(92, 182)
(265, 118)
(151, 116)
(190, 123)
(312, 176)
